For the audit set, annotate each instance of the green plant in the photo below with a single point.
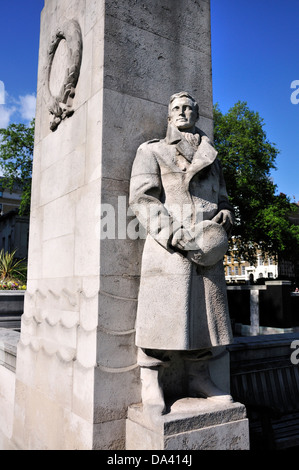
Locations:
(11, 268)
(16, 154)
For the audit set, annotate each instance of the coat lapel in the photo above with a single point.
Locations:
(204, 156)
(174, 137)
(199, 159)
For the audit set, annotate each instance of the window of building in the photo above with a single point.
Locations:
(229, 259)
(229, 271)
(243, 270)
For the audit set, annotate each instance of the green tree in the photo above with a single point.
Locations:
(247, 158)
(16, 154)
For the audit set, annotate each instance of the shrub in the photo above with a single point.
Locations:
(13, 271)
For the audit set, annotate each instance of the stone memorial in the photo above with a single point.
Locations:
(106, 71)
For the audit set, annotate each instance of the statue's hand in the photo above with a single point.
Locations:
(182, 240)
(226, 219)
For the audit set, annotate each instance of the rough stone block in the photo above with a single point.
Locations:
(139, 56)
(191, 424)
(110, 435)
(124, 312)
(116, 349)
(111, 403)
(165, 19)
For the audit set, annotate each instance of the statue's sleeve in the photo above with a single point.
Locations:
(145, 196)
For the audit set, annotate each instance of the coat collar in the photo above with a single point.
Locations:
(174, 136)
(200, 158)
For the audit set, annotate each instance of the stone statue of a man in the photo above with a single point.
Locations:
(178, 193)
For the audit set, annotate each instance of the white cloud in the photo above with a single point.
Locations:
(5, 114)
(28, 105)
(23, 107)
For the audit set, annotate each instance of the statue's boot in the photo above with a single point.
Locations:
(201, 385)
(152, 392)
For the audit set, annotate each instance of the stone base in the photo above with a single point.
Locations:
(190, 424)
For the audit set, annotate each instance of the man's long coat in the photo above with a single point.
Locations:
(181, 306)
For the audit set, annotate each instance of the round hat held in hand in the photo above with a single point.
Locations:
(212, 244)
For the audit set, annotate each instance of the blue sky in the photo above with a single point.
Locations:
(255, 58)
(19, 39)
(255, 48)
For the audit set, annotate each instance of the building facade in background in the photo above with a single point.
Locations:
(14, 229)
(238, 270)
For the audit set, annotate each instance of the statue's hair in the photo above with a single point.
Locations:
(182, 94)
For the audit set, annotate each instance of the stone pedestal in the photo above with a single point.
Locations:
(190, 424)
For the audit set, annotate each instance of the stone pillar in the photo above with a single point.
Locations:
(254, 312)
(106, 70)
(57, 352)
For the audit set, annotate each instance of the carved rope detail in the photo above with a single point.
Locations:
(61, 106)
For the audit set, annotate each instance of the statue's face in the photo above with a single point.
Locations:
(183, 114)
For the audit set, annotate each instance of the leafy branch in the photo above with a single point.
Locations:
(16, 155)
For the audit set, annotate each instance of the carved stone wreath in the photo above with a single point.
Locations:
(61, 106)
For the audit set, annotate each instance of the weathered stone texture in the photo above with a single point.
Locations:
(192, 424)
